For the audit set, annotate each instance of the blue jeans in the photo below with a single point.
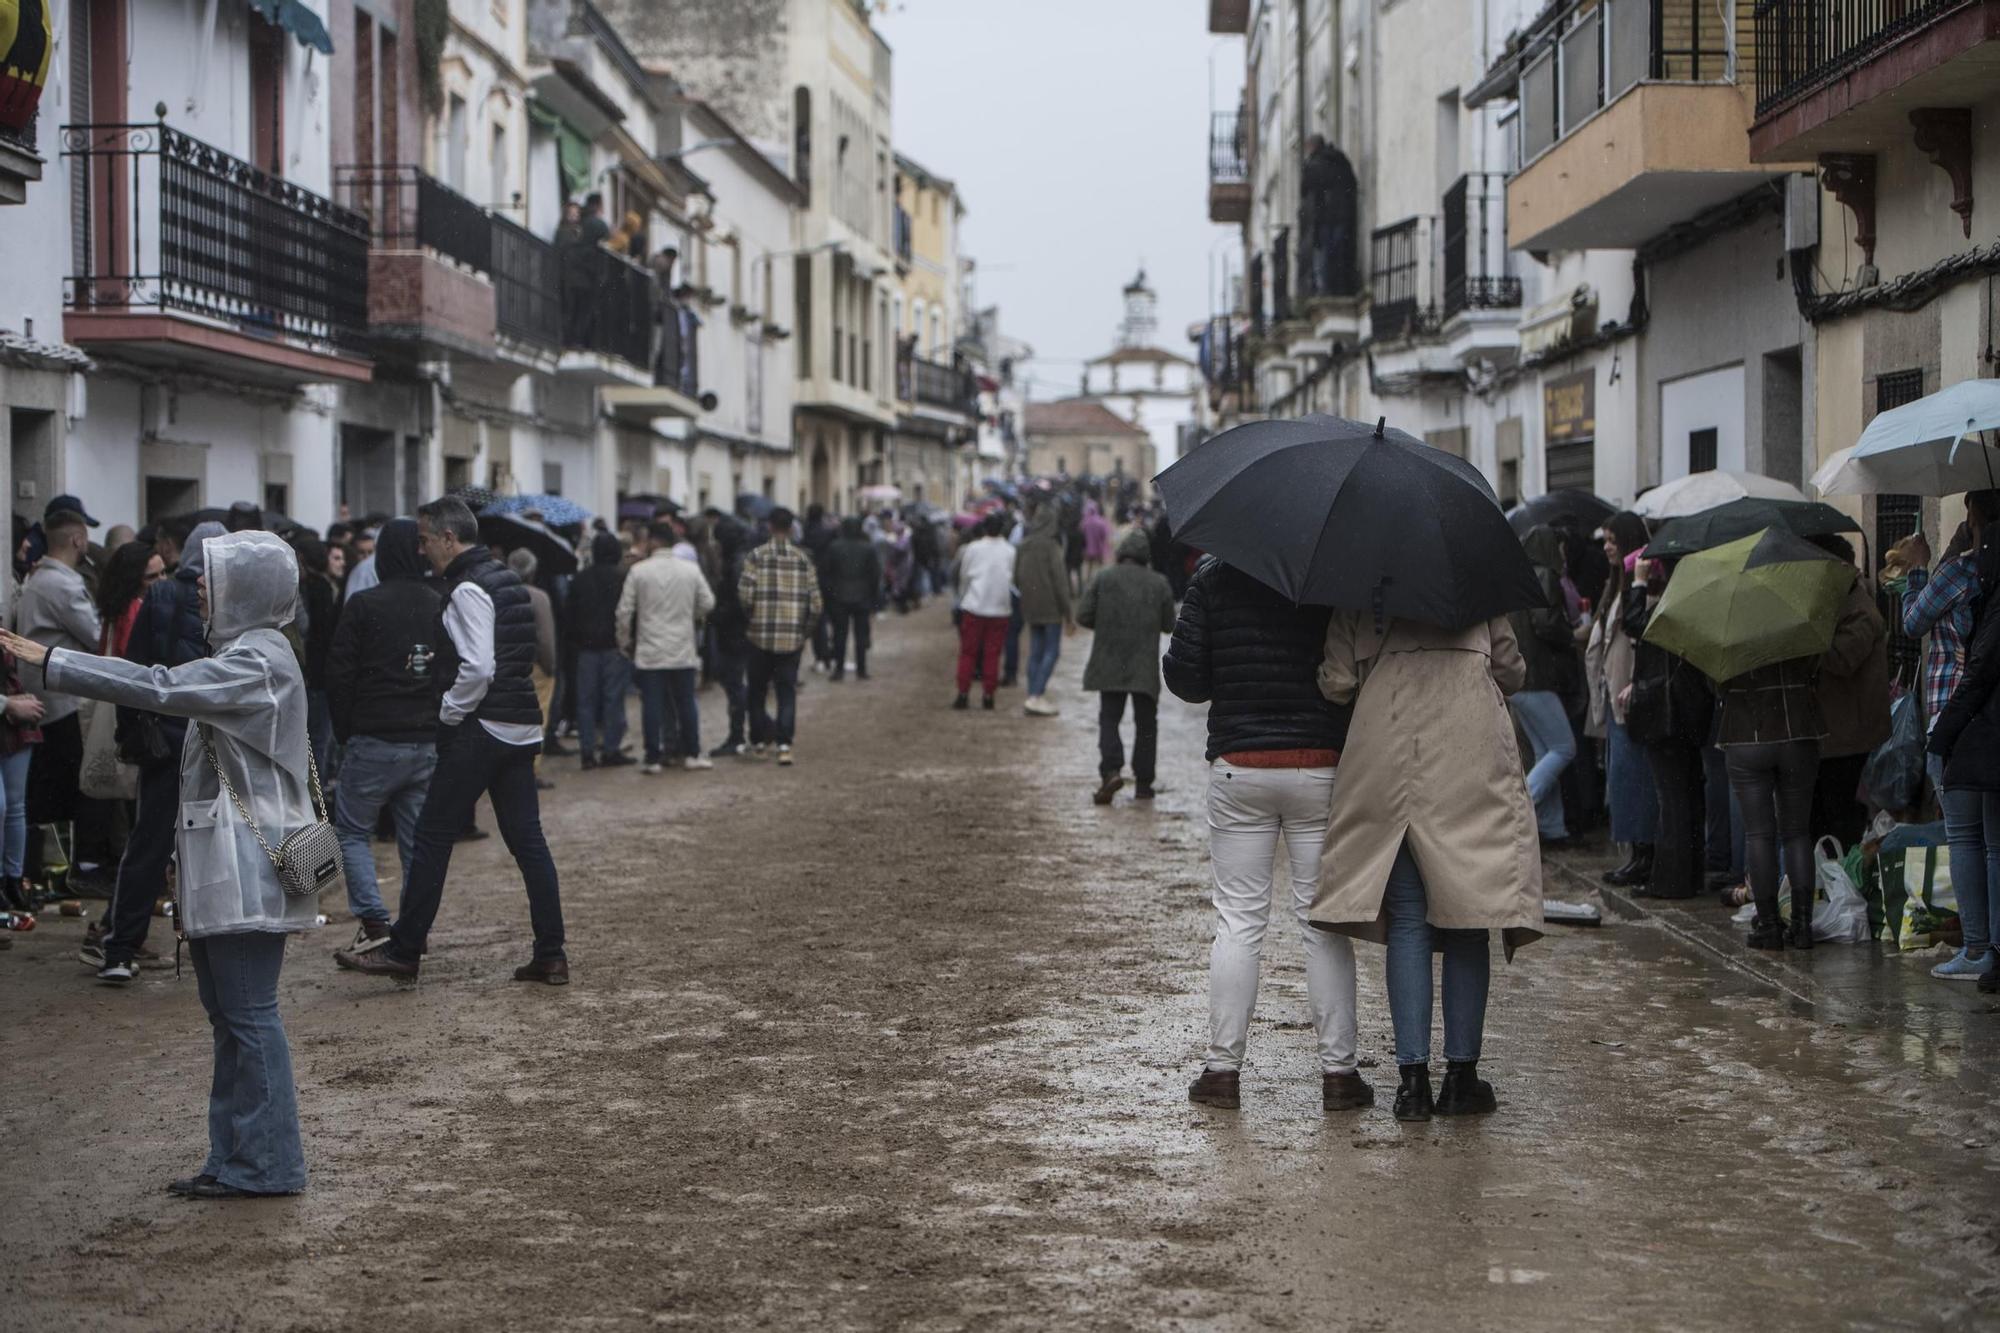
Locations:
(1972, 832)
(14, 790)
(669, 688)
(253, 1109)
(1044, 650)
(376, 773)
(1468, 964)
(1635, 803)
(602, 677)
(1541, 715)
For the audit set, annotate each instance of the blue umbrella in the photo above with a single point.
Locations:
(556, 511)
(758, 507)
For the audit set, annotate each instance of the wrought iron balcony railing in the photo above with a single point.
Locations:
(608, 304)
(901, 227)
(936, 384)
(409, 210)
(164, 221)
(1475, 246)
(527, 285)
(1804, 43)
(1402, 279)
(1228, 148)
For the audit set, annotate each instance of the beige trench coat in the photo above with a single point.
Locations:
(1430, 757)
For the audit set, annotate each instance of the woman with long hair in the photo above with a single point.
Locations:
(133, 568)
(1611, 656)
(1966, 741)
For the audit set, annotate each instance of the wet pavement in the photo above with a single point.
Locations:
(900, 1038)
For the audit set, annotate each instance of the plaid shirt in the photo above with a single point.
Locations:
(780, 595)
(1940, 606)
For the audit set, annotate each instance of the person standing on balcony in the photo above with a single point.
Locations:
(781, 599)
(573, 254)
(594, 228)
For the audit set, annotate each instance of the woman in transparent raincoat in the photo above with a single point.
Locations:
(248, 700)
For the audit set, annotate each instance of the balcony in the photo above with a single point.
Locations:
(1229, 16)
(675, 387)
(1228, 168)
(1836, 75)
(900, 233)
(936, 385)
(607, 317)
(430, 258)
(1403, 280)
(1481, 299)
(1630, 122)
(527, 289)
(183, 255)
(20, 164)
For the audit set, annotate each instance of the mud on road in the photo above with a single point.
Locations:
(899, 1038)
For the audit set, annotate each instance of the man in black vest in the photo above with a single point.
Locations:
(490, 730)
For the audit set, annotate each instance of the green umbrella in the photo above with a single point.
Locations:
(1766, 598)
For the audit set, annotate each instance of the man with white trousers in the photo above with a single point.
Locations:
(1274, 753)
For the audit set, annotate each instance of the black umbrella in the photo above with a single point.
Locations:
(511, 532)
(1739, 518)
(1582, 508)
(1337, 513)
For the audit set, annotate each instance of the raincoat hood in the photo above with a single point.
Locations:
(253, 583)
(1137, 547)
(194, 563)
(606, 550)
(1544, 548)
(396, 552)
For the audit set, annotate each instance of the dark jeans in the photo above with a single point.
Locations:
(470, 764)
(602, 677)
(668, 695)
(732, 665)
(1837, 811)
(1010, 665)
(822, 640)
(142, 871)
(1724, 831)
(1773, 783)
(1145, 735)
(861, 618)
(1677, 852)
(773, 671)
(319, 731)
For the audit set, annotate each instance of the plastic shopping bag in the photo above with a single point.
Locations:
(1931, 914)
(1843, 917)
(1894, 775)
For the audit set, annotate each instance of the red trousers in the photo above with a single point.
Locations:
(980, 639)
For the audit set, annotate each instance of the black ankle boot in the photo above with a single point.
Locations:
(1798, 935)
(1413, 1098)
(1622, 875)
(1642, 864)
(1766, 931)
(14, 894)
(1463, 1092)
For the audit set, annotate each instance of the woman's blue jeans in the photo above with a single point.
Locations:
(253, 1109)
(1546, 725)
(1044, 649)
(1972, 832)
(1635, 803)
(1467, 969)
(14, 792)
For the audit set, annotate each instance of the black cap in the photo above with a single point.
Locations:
(68, 502)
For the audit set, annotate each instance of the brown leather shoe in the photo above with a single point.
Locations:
(376, 963)
(1217, 1088)
(1345, 1092)
(554, 971)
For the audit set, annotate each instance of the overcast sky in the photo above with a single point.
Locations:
(1077, 131)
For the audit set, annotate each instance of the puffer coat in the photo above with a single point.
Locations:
(1252, 657)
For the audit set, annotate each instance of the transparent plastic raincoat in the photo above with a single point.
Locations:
(249, 698)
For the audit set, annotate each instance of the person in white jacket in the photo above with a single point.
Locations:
(985, 605)
(248, 703)
(659, 613)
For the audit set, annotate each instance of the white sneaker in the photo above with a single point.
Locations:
(1039, 706)
(697, 764)
(117, 974)
(650, 768)
(785, 755)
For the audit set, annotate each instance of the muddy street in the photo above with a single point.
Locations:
(899, 1037)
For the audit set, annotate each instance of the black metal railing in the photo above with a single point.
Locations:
(608, 304)
(1281, 276)
(1586, 56)
(1402, 283)
(527, 285)
(936, 384)
(1254, 286)
(1475, 245)
(1228, 148)
(165, 221)
(407, 209)
(900, 230)
(1803, 43)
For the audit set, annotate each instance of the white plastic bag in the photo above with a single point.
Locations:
(1843, 917)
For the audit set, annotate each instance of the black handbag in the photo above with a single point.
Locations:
(141, 741)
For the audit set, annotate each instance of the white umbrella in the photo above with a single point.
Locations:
(1705, 490)
(1929, 447)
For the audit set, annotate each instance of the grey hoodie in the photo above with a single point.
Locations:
(249, 701)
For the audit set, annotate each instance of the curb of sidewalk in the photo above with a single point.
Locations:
(1721, 943)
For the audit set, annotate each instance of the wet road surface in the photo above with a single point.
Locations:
(900, 1038)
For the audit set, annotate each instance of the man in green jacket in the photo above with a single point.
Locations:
(1129, 607)
(1043, 581)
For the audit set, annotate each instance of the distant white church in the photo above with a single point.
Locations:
(1144, 383)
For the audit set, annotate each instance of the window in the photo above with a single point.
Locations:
(1572, 465)
(267, 97)
(454, 144)
(1510, 483)
(552, 479)
(1701, 449)
(275, 496)
(802, 112)
(497, 174)
(166, 496)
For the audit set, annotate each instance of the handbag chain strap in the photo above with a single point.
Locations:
(319, 801)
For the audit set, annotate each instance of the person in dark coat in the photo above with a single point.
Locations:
(1966, 738)
(817, 538)
(1274, 746)
(604, 675)
(319, 597)
(1668, 709)
(1770, 732)
(383, 706)
(1854, 700)
(1555, 676)
(1128, 607)
(850, 575)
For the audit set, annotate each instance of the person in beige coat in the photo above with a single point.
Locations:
(1432, 840)
(660, 609)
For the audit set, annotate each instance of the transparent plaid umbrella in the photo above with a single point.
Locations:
(1765, 598)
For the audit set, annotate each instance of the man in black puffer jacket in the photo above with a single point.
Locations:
(489, 729)
(1274, 748)
(384, 707)
(604, 675)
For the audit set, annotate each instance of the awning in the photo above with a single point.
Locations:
(572, 149)
(297, 20)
